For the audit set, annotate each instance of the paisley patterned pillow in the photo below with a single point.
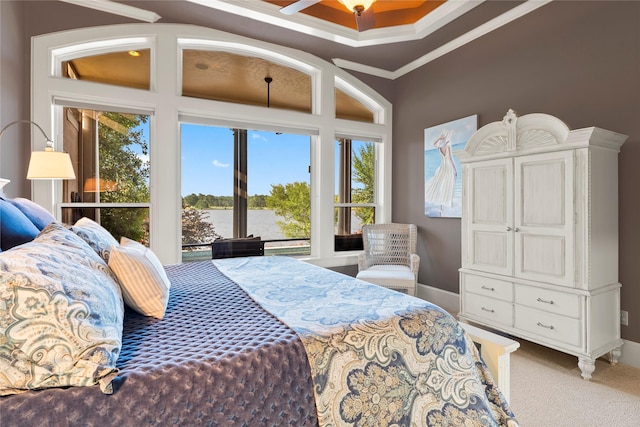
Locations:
(96, 236)
(61, 314)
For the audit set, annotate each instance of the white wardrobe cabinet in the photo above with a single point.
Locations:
(540, 234)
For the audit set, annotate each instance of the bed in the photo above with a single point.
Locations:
(244, 341)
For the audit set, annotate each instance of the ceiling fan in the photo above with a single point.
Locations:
(361, 10)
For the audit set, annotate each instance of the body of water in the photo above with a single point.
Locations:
(260, 222)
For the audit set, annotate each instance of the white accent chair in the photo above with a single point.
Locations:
(389, 258)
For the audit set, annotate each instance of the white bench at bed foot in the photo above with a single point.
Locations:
(495, 351)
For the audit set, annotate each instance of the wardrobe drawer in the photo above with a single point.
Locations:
(489, 287)
(489, 308)
(548, 325)
(548, 300)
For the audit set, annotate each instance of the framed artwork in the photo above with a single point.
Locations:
(442, 172)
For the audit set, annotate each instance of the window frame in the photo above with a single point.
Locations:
(349, 159)
(240, 211)
(166, 107)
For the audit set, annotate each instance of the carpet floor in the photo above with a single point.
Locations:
(548, 391)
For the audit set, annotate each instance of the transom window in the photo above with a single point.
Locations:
(241, 79)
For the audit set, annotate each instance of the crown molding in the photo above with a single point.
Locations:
(117, 9)
(270, 13)
(454, 44)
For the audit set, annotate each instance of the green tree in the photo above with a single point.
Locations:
(363, 173)
(190, 200)
(257, 201)
(118, 134)
(201, 204)
(293, 202)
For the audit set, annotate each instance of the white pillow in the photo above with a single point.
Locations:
(144, 282)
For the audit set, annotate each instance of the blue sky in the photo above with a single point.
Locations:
(207, 160)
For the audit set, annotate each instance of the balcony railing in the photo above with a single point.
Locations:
(227, 248)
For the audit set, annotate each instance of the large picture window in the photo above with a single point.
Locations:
(239, 183)
(277, 112)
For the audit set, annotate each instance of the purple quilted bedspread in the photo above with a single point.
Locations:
(216, 359)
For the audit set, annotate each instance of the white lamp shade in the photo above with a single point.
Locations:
(50, 165)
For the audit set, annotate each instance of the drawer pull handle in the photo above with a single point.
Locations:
(486, 288)
(542, 325)
(490, 310)
(545, 301)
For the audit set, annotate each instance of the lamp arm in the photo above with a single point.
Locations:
(47, 164)
(49, 141)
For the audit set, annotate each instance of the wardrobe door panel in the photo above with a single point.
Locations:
(544, 217)
(489, 216)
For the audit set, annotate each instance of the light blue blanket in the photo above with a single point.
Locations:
(378, 357)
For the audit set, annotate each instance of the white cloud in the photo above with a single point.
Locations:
(257, 136)
(218, 164)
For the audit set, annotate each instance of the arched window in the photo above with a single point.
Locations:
(122, 99)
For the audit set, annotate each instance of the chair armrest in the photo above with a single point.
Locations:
(362, 262)
(414, 264)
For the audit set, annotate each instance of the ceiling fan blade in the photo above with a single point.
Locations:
(366, 20)
(297, 6)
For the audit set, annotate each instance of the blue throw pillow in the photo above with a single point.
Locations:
(15, 227)
(38, 215)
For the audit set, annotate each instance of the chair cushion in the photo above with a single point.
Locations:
(389, 276)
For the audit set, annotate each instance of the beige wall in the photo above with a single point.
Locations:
(579, 61)
(581, 64)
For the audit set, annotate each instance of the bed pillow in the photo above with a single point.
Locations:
(62, 315)
(38, 215)
(15, 227)
(143, 280)
(96, 236)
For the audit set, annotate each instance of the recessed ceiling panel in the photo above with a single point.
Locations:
(387, 13)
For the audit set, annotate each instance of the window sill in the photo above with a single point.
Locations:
(339, 260)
